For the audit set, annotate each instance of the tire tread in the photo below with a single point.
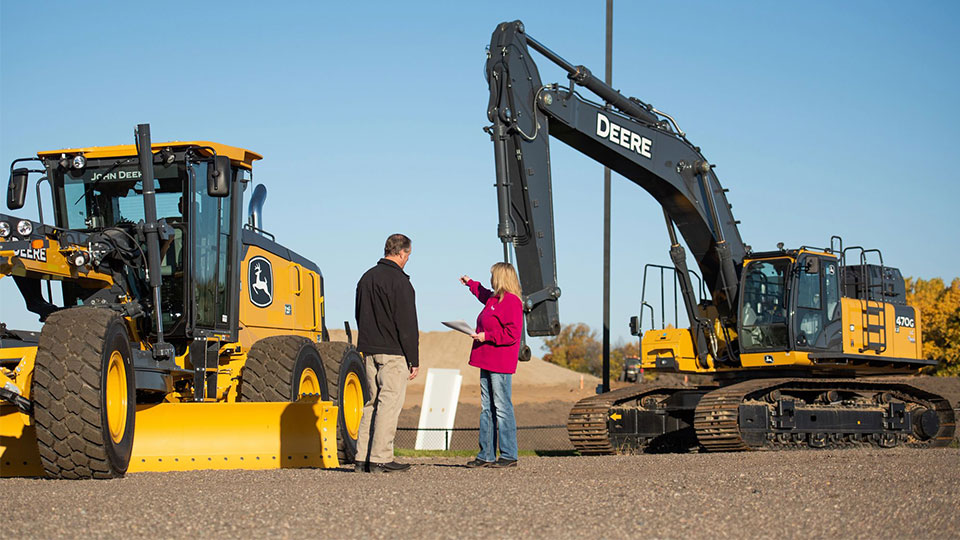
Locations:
(68, 420)
(332, 353)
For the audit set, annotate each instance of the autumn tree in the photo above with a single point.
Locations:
(576, 347)
(939, 306)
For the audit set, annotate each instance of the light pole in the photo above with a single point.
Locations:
(608, 78)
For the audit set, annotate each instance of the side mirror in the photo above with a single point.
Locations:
(17, 189)
(812, 265)
(218, 177)
(635, 326)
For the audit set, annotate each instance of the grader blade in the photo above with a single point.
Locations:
(18, 444)
(199, 436)
(196, 436)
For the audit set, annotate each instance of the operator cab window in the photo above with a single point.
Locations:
(831, 290)
(108, 193)
(809, 304)
(763, 314)
(210, 226)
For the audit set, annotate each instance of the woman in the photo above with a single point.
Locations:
(496, 348)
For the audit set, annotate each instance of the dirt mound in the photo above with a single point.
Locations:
(451, 350)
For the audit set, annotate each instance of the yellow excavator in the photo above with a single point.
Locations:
(181, 338)
(796, 340)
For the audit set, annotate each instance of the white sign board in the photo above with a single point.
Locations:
(439, 409)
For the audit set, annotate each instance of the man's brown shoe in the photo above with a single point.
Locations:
(477, 463)
(503, 463)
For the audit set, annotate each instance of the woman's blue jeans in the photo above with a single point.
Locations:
(498, 427)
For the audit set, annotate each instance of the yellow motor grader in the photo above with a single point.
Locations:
(181, 339)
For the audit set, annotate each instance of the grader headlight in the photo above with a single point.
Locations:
(4, 229)
(24, 227)
(79, 162)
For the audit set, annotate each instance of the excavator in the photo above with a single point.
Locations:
(182, 338)
(799, 342)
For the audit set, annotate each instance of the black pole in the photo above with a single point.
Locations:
(608, 79)
(150, 230)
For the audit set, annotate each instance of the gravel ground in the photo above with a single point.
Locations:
(897, 493)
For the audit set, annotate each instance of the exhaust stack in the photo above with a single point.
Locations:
(255, 208)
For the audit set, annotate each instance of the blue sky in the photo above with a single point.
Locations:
(822, 118)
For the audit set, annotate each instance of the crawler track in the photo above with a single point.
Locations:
(718, 416)
(588, 423)
(749, 415)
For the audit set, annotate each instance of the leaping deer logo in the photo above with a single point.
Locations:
(260, 282)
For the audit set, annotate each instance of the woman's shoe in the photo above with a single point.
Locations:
(503, 463)
(477, 463)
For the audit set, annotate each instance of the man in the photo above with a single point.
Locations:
(390, 342)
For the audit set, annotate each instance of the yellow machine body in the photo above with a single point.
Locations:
(864, 322)
(182, 432)
(198, 436)
(238, 156)
(297, 310)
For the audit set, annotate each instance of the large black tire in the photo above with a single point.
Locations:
(275, 367)
(344, 366)
(84, 394)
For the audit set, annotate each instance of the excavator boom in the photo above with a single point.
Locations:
(624, 134)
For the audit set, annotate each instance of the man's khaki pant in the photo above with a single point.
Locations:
(387, 376)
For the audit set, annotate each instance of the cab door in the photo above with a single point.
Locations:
(212, 258)
(816, 300)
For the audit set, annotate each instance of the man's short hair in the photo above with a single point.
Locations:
(395, 244)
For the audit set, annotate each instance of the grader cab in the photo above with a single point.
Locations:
(180, 338)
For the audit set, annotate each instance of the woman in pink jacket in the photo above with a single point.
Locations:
(496, 348)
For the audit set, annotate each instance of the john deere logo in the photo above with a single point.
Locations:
(260, 280)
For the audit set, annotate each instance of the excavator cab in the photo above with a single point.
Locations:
(790, 304)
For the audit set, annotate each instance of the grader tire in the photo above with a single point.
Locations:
(347, 385)
(278, 366)
(84, 394)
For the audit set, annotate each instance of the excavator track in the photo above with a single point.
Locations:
(762, 414)
(589, 423)
(719, 417)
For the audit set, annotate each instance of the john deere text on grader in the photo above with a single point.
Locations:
(185, 340)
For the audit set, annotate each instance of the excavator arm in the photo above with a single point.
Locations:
(624, 134)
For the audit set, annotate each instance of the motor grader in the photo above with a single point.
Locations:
(181, 338)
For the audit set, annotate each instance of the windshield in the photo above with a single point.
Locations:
(112, 194)
(763, 315)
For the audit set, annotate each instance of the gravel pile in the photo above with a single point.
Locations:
(899, 493)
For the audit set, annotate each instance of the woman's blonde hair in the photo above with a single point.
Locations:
(503, 278)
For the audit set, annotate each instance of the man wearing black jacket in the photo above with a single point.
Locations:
(389, 339)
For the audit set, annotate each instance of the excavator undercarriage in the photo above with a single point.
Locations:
(759, 414)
